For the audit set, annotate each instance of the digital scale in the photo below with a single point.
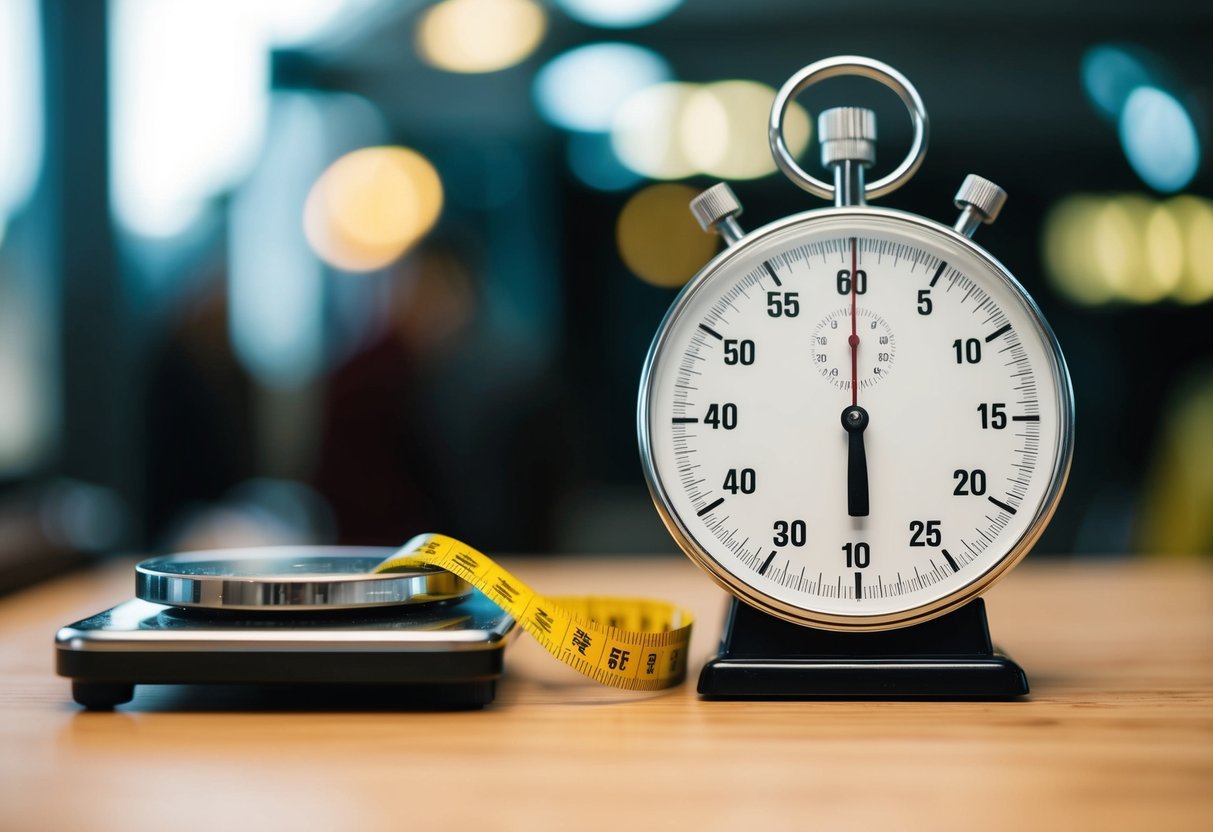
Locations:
(291, 616)
(855, 420)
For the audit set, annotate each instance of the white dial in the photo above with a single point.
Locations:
(855, 419)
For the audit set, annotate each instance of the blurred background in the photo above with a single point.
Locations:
(279, 271)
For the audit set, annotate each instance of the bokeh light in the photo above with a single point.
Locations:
(582, 88)
(1164, 253)
(724, 129)
(480, 35)
(659, 240)
(618, 14)
(1195, 218)
(1109, 74)
(1067, 243)
(1130, 248)
(648, 129)
(1137, 92)
(675, 130)
(1159, 139)
(21, 145)
(370, 206)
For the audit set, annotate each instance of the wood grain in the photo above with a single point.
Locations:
(1118, 733)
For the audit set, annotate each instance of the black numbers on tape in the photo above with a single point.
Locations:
(581, 640)
(618, 659)
(505, 590)
(543, 620)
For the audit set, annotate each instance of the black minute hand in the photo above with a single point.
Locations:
(854, 422)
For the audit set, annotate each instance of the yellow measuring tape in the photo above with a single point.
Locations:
(629, 643)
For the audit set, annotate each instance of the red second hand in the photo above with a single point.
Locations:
(854, 339)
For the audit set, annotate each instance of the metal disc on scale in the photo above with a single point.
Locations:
(289, 579)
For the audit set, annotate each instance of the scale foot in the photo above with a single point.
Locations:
(102, 696)
(988, 677)
(950, 657)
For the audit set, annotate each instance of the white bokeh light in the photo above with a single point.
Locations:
(21, 128)
(648, 129)
(189, 85)
(618, 14)
(584, 87)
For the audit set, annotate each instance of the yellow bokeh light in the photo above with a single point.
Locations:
(724, 129)
(370, 206)
(1195, 218)
(659, 240)
(675, 130)
(1129, 247)
(480, 35)
(1118, 248)
(1067, 250)
(1164, 251)
(647, 131)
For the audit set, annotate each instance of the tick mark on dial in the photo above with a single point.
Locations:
(997, 332)
(858, 586)
(709, 507)
(711, 332)
(942, 265)
(949, 559)
(1029, 418)
(686, 420)
(1008, 509)
(766, 564)
(766, 264)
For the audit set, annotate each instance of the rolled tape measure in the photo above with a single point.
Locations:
(628, 643)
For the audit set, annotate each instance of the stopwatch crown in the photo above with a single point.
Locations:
(716, 209)
(847, 134)
(980, 200)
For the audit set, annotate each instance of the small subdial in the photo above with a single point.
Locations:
(832, 350)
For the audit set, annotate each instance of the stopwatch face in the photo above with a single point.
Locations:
(855, 419)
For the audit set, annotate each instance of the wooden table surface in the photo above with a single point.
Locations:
(1118, 732)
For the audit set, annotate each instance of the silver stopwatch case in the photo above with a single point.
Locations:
(707, 509)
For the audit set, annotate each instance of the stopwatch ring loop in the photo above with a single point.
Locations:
(863, 68)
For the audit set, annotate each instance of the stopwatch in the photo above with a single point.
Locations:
(854, 418)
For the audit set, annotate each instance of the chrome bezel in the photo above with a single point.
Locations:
(841, 622)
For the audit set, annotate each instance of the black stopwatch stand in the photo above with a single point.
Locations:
(950, 657)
